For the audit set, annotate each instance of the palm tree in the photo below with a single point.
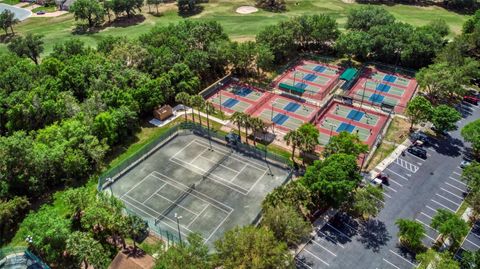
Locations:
(257, 125)
(248, 124)
(209, 108)
(183, 98)
(237, 118)
(198, 102)
(295, 139)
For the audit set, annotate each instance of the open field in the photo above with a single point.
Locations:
(239, 27)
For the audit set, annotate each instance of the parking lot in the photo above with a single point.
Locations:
(417, 189)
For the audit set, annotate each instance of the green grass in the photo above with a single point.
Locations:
(46, 9)
(10, 2)
(239, 27)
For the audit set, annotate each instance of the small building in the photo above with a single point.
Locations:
(163, 113)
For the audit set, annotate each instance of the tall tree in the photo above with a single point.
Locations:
(192, 255)
(471, 176)
(470, 259)
(184, 99)
(238, 118)
(450, 225)
(471, 133)
(250, 247)
(410, 233)
(432, 259)
(294, 139)
(292, 194)
(8, 20)
(368, 201)
(419, 110)
(197, 102)
(11, 213)
(310, 137)
(272, 5)
(30, 46)
(364, 18)
(187, 6)
(87, 250)
(346, 143)
(89, 10)
(444, 118)
(354, 43)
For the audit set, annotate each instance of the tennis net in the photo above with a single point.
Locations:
(179, 199)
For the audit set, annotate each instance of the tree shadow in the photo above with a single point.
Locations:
(406, 253)
(449, 146)
(185, 14)
(373, 234)
(6, 38)
(125, 21)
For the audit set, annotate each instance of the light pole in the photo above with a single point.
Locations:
(110, 180)
(331, 129)
(177, 217)
(220, 96)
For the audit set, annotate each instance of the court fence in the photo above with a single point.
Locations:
(22, 252)
(214, 87)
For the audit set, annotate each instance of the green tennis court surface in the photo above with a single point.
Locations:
(337, 126)
(230, 103)
(292, 107)
(391, 78)
(300, 84)
(374, 97)
(312, 78)
(385, 88)
(319, 68)
(212, 189)
(244, 92)
(355, 115)
(280, 119)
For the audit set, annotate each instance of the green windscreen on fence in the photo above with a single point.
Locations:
(291, 88)
(349, 74)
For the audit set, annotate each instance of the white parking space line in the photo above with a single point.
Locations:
(396, 174)
(472, 243)
(428, 216)
(395, 182)
(306, 250)
(324, 248)
(454, 187)
(391, 263)
(417, 158)
(402, 258)
(440, 204)
(451, 193)
(433, 209)
(341, 233)
(331, 238)
(455, 203)
(431, 149)
(298, 260)
(387, 195)
(463, 183)
(458, 174)
(428, 226)
(407, 165)
(391, 188)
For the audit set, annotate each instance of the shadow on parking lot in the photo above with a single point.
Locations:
(449, 146)
(405, 253)
(301, 262)
(465, 109)
(373, 234)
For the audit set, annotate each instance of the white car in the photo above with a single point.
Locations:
(465, 163)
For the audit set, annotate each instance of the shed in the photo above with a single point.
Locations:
(162, 113)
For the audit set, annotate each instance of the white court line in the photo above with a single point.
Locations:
(324, 248)
(182, 149)
(441, 205)
(298, 260)
(333, 239)
(341, 233)
(201, 212)
(390, 263)
(458, 174)
(472, 243)
(259, 178)
(186, 187)
(391, 188)
(238, 173)
(433, 209)
(463, 183)
(215, 163)
(218, 226)
(395, 182)
(172, 202)
(136, 185)
(452, 193)
(403, 258)
(428, 216)
(194, 159)
(397, 174)
(154, 193)
(306, 250)
(455, 203)
(454, 187)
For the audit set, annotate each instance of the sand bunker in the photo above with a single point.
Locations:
(246, 9)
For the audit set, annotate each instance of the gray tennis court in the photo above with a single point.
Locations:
(213, 189)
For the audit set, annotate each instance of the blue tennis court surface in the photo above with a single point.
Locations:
(310, 77)
(280, 119)
(376, 98)
(243, 92)
(345, 127)
(319, 68)
(291, 107)
(301, 85)
(389, 78)
(383, 87)
(355, 115)
(230, 102)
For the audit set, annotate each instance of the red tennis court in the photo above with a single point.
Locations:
(339, 117)
(377, 87)
(309, 79)
(285, 112)
(239, 97)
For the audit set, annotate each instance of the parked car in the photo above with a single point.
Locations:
(465, 163)
(471, 99)
(417, 151)
(383, 178)
(233, 139)
(41, 12)
(419, 136)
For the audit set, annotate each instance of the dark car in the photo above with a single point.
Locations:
(233, 138)
(471, 99)
(420, 137)
(418, 151)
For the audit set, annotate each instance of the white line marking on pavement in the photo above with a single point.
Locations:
(428, 216)
(446, 199)
(391, 188)
(408, 175)
(298, 260)
(397, 174)
(341, 233)
(391, 263)
(454, 187)
(428, 226)
(458, 174)
(324, 248)
(387, 195)
(316, 257)
(403, 258)
(395, 182)
(451, 193)
(431, 149)
(441, 205)
(463, 183)
(429, 237)
(433, 209)
(333, 239)
(472, 243)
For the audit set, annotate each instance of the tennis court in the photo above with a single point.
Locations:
(287, 113)
(310, 79)
(377, 88)
(210, 189)
(340, 117)
(237, 97)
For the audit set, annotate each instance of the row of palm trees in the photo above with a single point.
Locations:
(196, 102)
(304, 138)
(249, 123)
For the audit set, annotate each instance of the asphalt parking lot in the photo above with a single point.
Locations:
(417, 189)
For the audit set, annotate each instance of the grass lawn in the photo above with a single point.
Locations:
(46, 9)
(380, 153)
(398, 130)
(10, 2)
(239, 27)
